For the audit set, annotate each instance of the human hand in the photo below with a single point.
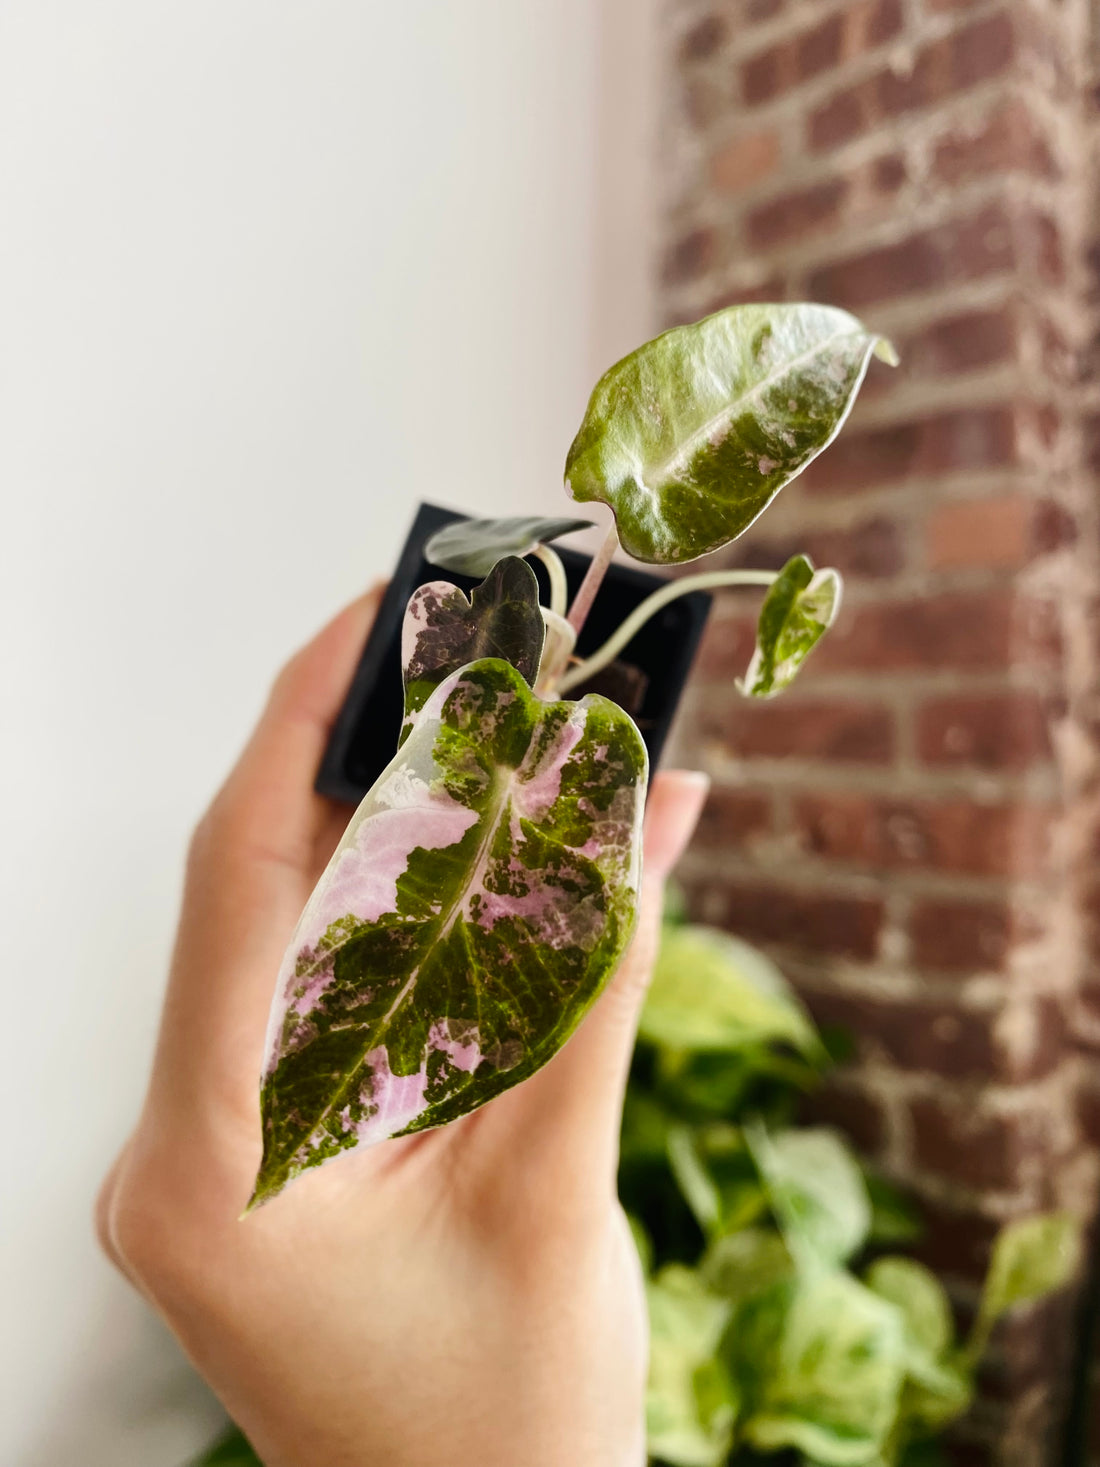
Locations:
(468, 1295)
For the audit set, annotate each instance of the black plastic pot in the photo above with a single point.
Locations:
(647, 679)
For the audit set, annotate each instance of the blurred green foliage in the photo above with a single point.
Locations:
(784, 1333)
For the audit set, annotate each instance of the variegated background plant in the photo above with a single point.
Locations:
(485, 889)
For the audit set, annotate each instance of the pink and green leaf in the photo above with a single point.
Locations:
(443, 630)
(476, 906)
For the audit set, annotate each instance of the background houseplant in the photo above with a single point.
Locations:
(786, 1324)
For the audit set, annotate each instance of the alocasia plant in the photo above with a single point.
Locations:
(486, 886)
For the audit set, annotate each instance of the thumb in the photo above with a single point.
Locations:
(579, 1094)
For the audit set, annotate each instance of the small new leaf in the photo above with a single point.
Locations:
(800, 607)
(479, 900)
(693, 435)
(443, 631)
(473, 547)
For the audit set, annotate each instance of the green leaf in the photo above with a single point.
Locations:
(690, 437)
(472, 547)
(745, 1263)
(817, 1192)
(1032, 1256)
(828, 1380)
(696, 1185)
(713, 992)
(477, 904)
(798, 610)
(690, 1402)
(920, 1298)
(443, 631)
(231, 1450)
(894, 1218)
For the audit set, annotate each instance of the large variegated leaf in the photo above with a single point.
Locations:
(800, 607)
(472, 547)
(443, 631)
(479, 900)
(690, 437)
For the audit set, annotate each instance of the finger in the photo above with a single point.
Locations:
(268, 799)
(249, 875)
(574, 1105)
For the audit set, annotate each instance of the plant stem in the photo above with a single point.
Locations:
(582, 602)
(637, 619)
(559, 590)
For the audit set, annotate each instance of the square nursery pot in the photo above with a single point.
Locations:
(646, 680)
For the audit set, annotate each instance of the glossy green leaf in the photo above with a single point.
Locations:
(690, 437)
(713, 992)
(473, 547)
(798, 610)
(690, 1402)
(443, 630)
(817, 1192)
(479, 900)
(1032, 1256)
(829, 1385)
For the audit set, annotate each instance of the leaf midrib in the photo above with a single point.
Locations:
(666, 469)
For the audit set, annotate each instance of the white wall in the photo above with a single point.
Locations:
(269, 273)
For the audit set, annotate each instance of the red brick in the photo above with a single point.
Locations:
(795, 214)
(766, 74)
(819, 49)
(790, 728)
(814, 921)
(850, 1110)
(689, 257)
(870, 549)
(873, 24)
(772, 288)
(981, 51)
(1009, 140)
(1040, 248)
(993, 534)
(962, 630)
(962, 343)
(949, 65)
(947, 1040)
(745, 161)
(982, 1152)
(971, 438)
(985, 730)
(889, 172)
(961, 250)
(956, 1242)
(959, 937)
(727, 648)
(954, 835)
(703, 39)
(839, 120)
(733, 819)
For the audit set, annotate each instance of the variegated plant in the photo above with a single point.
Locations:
(485, 889)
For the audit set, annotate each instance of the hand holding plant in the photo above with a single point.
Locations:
(472, 1291)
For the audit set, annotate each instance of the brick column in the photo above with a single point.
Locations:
(911, 829)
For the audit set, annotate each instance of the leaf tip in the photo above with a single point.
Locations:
(887, 352)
